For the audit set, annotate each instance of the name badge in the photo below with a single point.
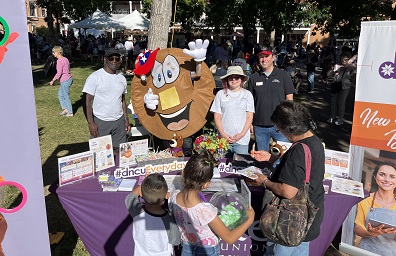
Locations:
(259, 83)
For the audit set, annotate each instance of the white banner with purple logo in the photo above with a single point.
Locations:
(373, 138)
(26, 231)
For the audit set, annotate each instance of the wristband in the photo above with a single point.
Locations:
(126, 118)
(265, 186)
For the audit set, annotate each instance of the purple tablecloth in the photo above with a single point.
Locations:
(104, 225)
(337, 207)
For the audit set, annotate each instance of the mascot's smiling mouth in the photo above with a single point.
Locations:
(178, 120)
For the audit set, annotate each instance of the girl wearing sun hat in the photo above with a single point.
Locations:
(233, 109)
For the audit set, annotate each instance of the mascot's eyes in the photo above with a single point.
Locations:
(166, 72)
(171, 68)
(169, 73)
(158, 76)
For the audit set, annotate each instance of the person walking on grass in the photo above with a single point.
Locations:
(65, 79)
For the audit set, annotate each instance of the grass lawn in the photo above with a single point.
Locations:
(60, 136)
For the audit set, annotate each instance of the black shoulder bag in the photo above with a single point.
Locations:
(336, 87)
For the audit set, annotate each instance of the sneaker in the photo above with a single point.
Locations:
(311, 91)
(331, 120)
(338, 122)
(68, 114)
(64, 112)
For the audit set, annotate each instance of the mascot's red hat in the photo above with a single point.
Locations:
(145, 63)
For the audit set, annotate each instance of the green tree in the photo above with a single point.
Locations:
(278, 15)
(344, 17)
(75, 9)
(188, 12)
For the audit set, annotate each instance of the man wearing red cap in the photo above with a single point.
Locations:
(269, 86)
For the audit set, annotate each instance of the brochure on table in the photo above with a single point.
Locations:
(336, 162)
(337, 166)
(76, 167)
(129, 150)
(347, 187)
(102, 148)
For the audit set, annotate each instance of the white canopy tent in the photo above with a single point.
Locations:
(100, 21)
(135, 20)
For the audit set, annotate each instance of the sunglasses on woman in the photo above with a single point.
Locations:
(234, 77)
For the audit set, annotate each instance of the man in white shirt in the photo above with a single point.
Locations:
(129, 50)
(105, 107)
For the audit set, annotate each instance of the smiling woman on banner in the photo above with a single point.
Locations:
(379, 206)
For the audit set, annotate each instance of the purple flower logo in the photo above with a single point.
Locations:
(387, 69)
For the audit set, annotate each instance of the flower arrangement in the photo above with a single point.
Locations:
(213, 143)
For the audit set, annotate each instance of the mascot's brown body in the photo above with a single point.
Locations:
(183, 103)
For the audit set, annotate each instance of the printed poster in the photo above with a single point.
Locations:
(76, 167)
(373, 138)
(336, 163)
(129, 150)
(102, 147)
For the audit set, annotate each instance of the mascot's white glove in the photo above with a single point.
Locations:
(151, 100)
(197, 49)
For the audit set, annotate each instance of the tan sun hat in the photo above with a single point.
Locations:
(234, 70)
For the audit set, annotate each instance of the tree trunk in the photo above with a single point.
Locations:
(161, 13)
(50, 23)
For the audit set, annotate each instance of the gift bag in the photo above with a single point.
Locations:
(287, 221)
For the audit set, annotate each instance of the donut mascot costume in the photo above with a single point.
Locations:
(172, 90)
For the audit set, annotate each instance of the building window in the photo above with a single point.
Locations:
(43, 12)
(32, 7)
(136, 6)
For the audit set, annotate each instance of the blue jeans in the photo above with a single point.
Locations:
(64, 95)
(274, 249)
(237, 149)
(311, 80)
(191, 250)
(264, 134)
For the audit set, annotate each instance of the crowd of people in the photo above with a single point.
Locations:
(88, 48)
(257, 100)
(335, 63)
